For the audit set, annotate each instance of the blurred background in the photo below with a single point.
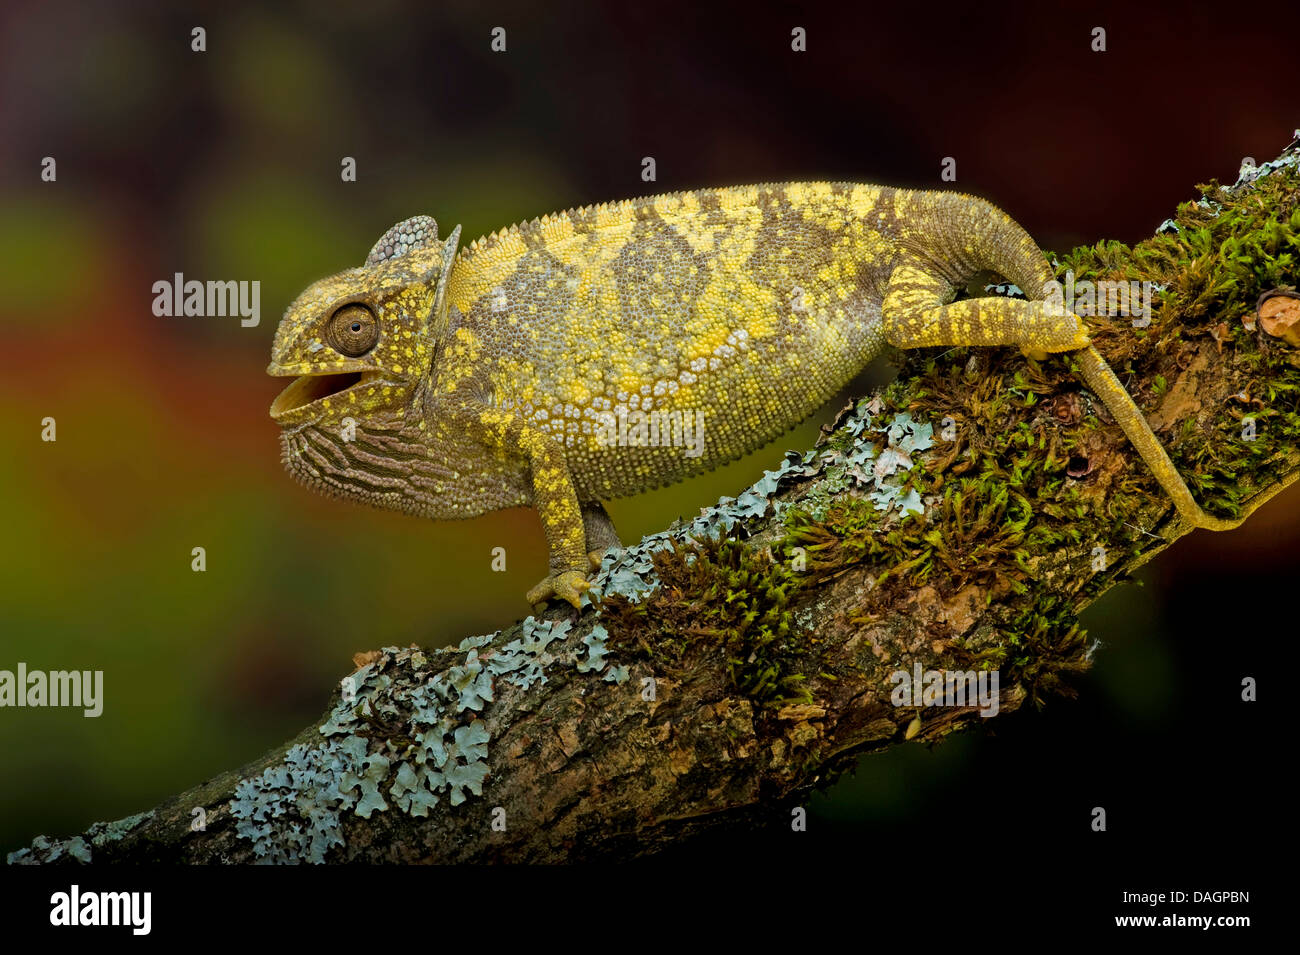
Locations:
(226, 165)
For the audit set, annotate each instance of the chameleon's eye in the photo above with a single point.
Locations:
(353, 330)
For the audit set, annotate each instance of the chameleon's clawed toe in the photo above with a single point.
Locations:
(596, 558)
(567, 585)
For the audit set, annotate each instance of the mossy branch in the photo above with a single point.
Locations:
(771, 649)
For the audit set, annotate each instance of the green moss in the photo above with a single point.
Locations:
(846, 533)
(719, 597)
(1005, 501)
(1041, 645)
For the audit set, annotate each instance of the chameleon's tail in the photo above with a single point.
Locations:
(1107, 387)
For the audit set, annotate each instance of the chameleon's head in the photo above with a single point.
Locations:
(358, 343)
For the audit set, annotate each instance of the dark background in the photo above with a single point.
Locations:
(225, 164)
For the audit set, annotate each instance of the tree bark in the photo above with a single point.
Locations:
(773, 658)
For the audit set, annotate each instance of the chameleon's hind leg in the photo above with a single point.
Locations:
(916, 316)
(599, 530)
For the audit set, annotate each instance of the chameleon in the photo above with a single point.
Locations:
(522, 369)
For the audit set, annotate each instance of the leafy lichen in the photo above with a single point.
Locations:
(44, 850)
(401, 736)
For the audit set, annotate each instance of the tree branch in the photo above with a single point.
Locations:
(958, 521)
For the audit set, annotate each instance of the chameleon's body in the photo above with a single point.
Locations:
(516, 372)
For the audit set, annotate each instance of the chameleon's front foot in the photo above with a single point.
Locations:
(567, 585)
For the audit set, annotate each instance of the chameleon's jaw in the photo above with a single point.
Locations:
(304, 400)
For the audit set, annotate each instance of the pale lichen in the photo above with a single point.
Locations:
(44, 850)
(402, 736)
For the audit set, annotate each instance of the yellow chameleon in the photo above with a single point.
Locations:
(608, 350)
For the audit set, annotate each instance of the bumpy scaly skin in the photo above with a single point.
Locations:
(496, 377)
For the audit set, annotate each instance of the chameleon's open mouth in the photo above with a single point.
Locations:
(309, 389)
